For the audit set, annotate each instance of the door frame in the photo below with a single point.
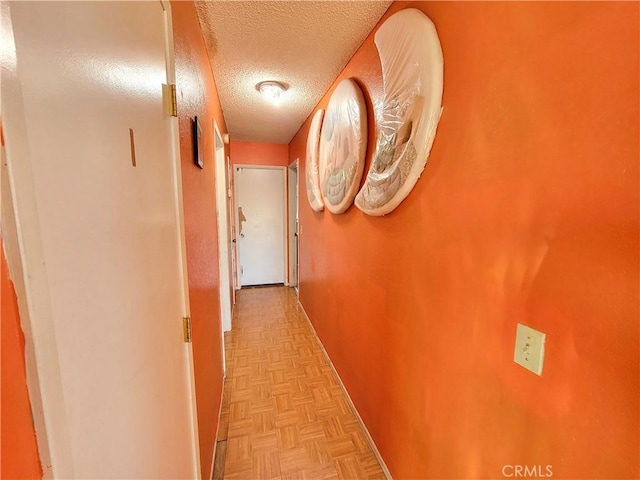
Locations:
(224, 251)
(232, 227)
(292, 222)
(235, 167)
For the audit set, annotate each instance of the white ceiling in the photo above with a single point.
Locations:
(304, 44)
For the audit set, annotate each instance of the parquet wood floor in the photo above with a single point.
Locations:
(284, 415)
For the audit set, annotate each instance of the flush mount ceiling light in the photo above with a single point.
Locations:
(272, 90)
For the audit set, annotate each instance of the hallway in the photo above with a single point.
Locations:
(123, 230)
(284, 415)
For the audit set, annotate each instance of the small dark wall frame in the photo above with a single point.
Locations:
(198, 154)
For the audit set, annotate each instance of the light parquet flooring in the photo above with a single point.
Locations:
(284, 415)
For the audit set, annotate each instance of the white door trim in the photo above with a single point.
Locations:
(232, 233)
(29, 274)
(182, 241)
(236, 217)
(292, 211)
(223, 232)
(41, 348)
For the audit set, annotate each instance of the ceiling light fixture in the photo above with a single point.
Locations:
(272, 90)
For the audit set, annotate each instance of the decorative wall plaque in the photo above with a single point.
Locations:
(311, 165)
(343, 145)
(412, 73)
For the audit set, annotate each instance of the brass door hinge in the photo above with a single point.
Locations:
(169, 100)
(186, 329)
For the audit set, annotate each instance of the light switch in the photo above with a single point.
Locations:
(529, 348)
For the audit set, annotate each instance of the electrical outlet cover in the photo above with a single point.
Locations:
(529, 351)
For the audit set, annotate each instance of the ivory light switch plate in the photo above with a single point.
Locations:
(529, 348)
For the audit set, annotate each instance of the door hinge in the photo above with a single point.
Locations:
(186, 329)
(169, 100)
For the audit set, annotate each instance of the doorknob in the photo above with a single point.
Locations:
(234, 240)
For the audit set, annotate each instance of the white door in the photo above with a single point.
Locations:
(96, 204)
(260, 203)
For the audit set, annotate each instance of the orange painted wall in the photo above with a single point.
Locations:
(527, 212)
(251, 153)
(197, 95)
(19, 452)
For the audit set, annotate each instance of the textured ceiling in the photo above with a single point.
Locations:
(304, 44)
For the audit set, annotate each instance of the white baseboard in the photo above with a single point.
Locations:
(351, 404)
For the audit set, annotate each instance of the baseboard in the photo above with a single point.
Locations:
(372, 444)
(215, 443)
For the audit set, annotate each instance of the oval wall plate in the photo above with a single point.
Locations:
(412, 74)
(311, 165)
(343, 145)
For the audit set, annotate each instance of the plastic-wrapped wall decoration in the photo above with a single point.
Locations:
(412, 74)
(311, 166)
(343, 145)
